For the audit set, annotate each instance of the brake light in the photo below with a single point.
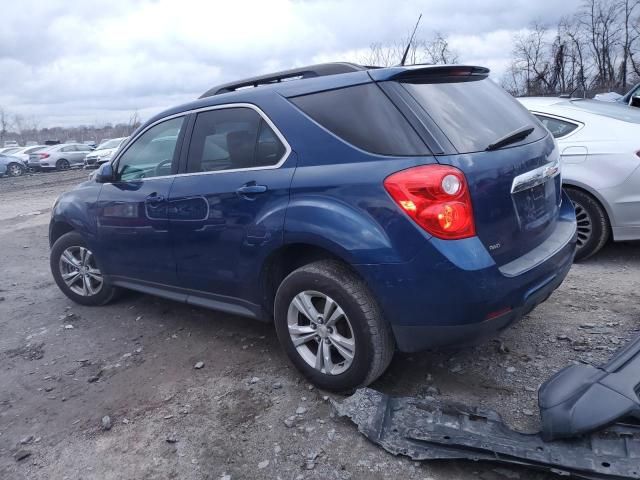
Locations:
(43, 155)
(436, 197)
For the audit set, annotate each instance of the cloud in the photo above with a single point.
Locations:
(98, 60)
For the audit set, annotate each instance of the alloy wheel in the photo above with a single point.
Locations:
(585, 227)
(321, 332)
(79, 271)
(14, 170)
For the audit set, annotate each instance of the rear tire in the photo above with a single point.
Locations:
(62, 164)
(359, 343)
(75, 269)
(593, 223)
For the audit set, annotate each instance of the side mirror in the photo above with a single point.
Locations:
(105, 173)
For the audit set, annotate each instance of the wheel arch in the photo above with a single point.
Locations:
(57, 229)
(596, 196)
(284, 260)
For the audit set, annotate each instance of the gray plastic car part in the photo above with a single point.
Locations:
(583, 398)
(430, 430)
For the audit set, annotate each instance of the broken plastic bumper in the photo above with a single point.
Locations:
(428, 430)
(583, 398)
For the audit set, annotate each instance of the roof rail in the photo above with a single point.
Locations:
(311, 71)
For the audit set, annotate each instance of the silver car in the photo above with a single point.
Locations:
(11, 166)
(600, 152)
(59, 157)
(103, 153)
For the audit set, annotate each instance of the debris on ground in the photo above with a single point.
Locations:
(106, 422)
(428, 430)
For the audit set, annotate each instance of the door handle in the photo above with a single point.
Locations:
(247, 190)
(154, 199)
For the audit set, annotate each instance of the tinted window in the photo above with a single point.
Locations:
(232, 138)
(365, 117)
(151, 155)
(558, 128)
(473, 114)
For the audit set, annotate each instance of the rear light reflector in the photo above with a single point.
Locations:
(498, 313)
(436, 197)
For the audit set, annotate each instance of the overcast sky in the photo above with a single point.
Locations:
(95, 61)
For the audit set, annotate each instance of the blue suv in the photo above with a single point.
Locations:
(360, 209)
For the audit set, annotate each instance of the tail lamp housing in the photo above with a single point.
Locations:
(43, 155)
(436, 197)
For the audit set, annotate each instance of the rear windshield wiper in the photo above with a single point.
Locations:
(513, 137)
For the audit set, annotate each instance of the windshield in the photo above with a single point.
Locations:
(115, 143)
(616, 111)
(474, 114)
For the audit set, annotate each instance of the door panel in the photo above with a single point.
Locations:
(224, 224)
(133, 222)
(133, 230)
(227, 215)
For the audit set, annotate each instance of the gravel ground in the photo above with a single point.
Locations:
(246, 413)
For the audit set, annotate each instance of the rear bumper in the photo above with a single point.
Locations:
(414, 338)
(452, 292)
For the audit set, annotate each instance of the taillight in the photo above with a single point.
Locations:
(436, 197)
(43, 155)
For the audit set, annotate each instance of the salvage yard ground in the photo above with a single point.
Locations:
(246, 413)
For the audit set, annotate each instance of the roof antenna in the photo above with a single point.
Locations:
(406, 51)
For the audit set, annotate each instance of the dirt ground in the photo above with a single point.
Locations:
(64, 367)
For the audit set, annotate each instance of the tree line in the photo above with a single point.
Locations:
(27, 129)
(597, 49)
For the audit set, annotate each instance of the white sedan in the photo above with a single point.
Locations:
(600, 152)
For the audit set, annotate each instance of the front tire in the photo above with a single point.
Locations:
(75, 269)
(15, 170)
(331, 327)
(593, 223)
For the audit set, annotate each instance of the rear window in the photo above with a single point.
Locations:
(473, 114)
(363, 116)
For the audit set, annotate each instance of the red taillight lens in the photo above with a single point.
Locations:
(43, 155)
(436, 197)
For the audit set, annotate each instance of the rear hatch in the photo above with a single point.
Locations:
(508, 158)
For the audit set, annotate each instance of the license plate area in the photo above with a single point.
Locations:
(536, 206)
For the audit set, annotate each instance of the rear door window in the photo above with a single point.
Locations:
(473, 114)
(364, 117)
(232, 139)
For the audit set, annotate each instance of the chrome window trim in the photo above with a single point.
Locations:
(579, 125)
(253, 107)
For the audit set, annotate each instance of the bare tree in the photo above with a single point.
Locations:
(134, 122)
(4, 123)
(434, 51)
(438, 50)
(630, 36)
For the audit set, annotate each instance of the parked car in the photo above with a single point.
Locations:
(631, 98)
(103, 153)
(23, 153)
(334, 206)
(11, 166)
(9, 150)
(600, 151)
(11, 143)
(59, 157)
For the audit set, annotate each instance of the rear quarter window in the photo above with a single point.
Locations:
(363, 116)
